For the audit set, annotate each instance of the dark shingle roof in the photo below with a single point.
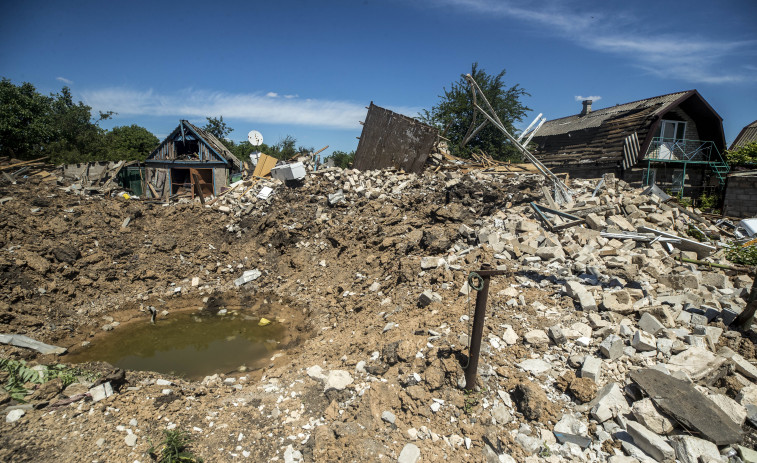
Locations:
(599, 116)
(597, 137)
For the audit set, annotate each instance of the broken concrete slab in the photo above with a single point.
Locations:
(643, 341)
(650, 324)
(697, 362)
(742, 365)
(19, 340)
(647, 414)
(691, 408)
(609, 403)
(248, 276)
(535, 366)
(581, 295)
(690, 449)
(650, 442)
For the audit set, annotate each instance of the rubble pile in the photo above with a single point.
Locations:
(603, 341)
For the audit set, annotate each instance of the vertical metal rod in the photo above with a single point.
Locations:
(476, 334)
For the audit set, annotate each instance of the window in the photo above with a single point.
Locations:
(672, 131)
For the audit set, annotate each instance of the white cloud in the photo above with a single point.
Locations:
(592, 98)
(686, 57)
(271, 94)
(252, 107)
(64, 80)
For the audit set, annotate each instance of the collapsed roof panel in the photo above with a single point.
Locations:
(393, 140)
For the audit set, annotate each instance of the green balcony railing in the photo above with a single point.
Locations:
(685, 152)
(667, 149)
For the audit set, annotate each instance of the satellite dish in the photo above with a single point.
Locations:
(255, 138)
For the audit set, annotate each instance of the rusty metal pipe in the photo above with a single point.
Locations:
(479, 317)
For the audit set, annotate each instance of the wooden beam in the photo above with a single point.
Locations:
(18, 164)
(196, 180)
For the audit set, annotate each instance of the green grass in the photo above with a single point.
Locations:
(175, 448)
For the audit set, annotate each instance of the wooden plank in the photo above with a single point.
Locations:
(196, 187)
(688, 406)
(222, 194)
(264, 166)
(152, 190)
(548, 195)
(24, 163)
(115, 173)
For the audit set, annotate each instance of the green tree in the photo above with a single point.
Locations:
(129, 142)
(343, 159)
(454, 115)
(217, 127)
(286, 147)
(25, 122)
(746, 155)
(76, 137)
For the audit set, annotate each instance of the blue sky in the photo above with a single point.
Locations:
(308, 68)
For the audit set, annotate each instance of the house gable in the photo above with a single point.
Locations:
(188, 144)
(617, 137)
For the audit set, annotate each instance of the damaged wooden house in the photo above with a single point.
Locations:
(675, 141)
(189, 156)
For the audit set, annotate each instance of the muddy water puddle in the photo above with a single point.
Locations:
(188, 344)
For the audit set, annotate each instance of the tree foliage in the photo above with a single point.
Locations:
(746, 155)
(34, 125)
(25, 120)
(284, 149)
(129, 142)
(343, 159)
(217, 127)
(454, 115)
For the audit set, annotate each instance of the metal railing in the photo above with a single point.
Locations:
(668, 149)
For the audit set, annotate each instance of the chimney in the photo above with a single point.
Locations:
(587, 107)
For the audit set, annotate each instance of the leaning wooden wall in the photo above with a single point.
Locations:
(393, 140)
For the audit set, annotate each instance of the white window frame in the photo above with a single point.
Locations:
(676, 125)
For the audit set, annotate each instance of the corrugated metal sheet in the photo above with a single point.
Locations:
(747, 135)
(631, 151)
(596, 118)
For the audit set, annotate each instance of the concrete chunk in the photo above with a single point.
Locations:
(743, 366)
(647, 414)
(650, 442)
(612, 346)
(427, 297)
(650, 324)
(689, 449)
(591, 368)
(248, 276)
(536, 337)
(432, 262)
(643, 341)
(410, 454)
(697, 362)
(555, 333)
(610, 402)
(101, 392)
(581, 295)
